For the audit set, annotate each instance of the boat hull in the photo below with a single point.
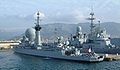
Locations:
(54, 54)
(107, 50)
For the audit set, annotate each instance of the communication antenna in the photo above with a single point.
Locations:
(55, 31)
(38, 20)
(99, 23)
(38, 28)
(91, 18)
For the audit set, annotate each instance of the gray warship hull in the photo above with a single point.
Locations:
(105, 50)
(54, 54)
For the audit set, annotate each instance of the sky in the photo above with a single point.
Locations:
(19, 14)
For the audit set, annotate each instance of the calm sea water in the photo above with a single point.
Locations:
(12, 61)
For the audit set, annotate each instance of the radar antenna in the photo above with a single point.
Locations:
(99, 23)
(91, 18)
(38, 27)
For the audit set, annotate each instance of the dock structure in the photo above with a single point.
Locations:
(8, 44)
(112, 57)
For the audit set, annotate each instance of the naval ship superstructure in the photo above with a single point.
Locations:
(31, 44)
(97, 39)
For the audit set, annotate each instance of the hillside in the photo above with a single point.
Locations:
(58, 29)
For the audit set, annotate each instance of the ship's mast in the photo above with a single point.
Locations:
(99, 24)
(38, 28)
(91, 23)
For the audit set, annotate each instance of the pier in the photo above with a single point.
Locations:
(112, 57)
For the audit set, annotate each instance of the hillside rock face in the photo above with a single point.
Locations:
(112, 28)
(61, 29)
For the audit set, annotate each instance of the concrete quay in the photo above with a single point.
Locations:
(112, 57)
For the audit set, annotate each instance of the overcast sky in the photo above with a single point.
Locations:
(67, 11)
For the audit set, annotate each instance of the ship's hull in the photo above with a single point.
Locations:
(54, 54)
(105, 50)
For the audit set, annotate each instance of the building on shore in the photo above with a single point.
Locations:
(8, 44)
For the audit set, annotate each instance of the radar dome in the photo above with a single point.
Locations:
(30, 34)
(79, 29)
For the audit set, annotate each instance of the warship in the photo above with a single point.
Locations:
(31, 44)
(98, 39)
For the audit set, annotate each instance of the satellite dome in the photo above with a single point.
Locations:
(30, 34)
(79, 29)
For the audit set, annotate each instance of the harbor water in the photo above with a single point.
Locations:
(14, 61)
